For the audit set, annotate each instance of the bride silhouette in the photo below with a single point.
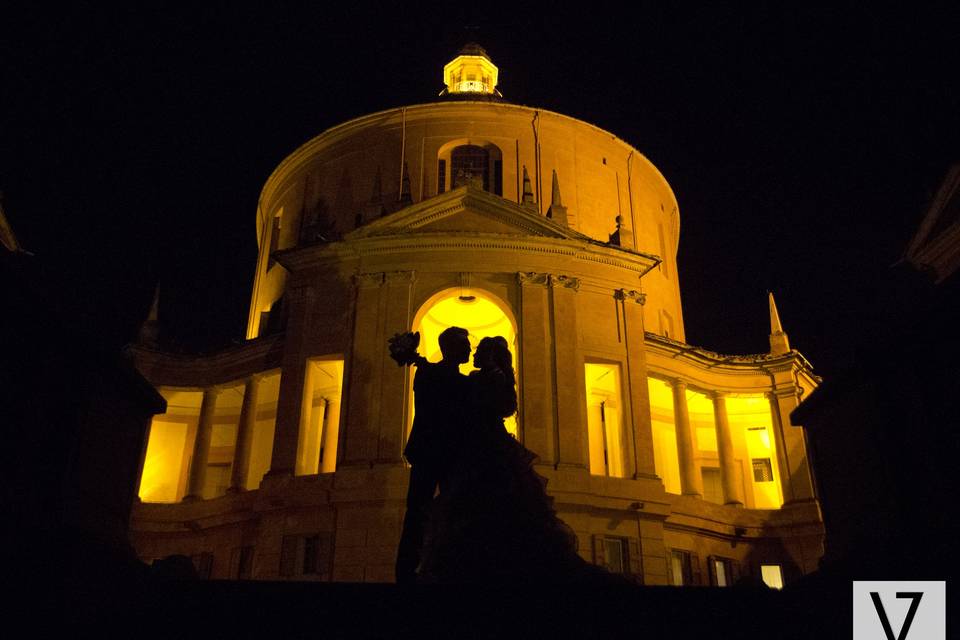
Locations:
(494, 522)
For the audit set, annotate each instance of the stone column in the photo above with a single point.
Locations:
(331, 431)
(691, 484)
(631, 304)
(245, 429)
(293, 375)
(570, 390)
(201, 445)
(304, 466)
(536, 371)
(728, 468)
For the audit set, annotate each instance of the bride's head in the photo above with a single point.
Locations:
(493, 352)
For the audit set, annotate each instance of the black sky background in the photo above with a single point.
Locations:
(803, 143)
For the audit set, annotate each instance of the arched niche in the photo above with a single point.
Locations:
(480, 312)
(470, 160)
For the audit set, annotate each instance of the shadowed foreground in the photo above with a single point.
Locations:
(190, 608)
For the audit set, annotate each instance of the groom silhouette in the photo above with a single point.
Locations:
(439, 391)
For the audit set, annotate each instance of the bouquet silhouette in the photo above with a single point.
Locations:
(403, 348)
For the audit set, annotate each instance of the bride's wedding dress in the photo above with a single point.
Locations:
(495, 522)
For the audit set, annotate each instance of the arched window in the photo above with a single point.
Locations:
(470, 162)
(470, 165)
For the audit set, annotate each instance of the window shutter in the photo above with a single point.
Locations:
(712, 570)
(204, 564)
(325, 556)
(235, 562)
(734, 572)
(311, 554)
(695, 574)
(633, 557)
(288, 556)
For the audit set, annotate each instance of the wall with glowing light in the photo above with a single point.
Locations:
(600, 177)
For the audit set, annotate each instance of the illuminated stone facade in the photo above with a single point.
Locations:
(281, 457)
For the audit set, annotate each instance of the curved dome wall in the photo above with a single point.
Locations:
(354, 172)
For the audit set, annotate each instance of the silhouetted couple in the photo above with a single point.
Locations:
(493, 520)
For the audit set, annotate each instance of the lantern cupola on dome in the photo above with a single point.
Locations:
(471, 74)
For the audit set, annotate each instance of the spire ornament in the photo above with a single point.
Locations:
(557, 212)
(779, 343)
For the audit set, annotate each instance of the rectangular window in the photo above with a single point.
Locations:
(605, 424)
(681, 570)
(306, 555)
(274, 238)
(614, 555)
(772, 575)
(762, 470)
(245, 569)
(441, 176)
(712, 489)
(720, 572)
(618, 555)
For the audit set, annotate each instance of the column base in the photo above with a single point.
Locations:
(192, 498)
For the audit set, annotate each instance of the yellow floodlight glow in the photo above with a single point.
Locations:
(470, 74)
(474, 310)
(665, 458)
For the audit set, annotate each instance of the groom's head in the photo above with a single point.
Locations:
(455, 345)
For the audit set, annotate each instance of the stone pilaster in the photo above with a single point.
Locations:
(361, 432)
(396, 300)
(570, 391)
(691, 483)
(732, 495)
(631, 306)
(201, 445)
(245, 429)
(293, 379)
(795, 478)
(538, 428)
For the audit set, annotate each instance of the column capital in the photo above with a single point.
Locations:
(630, 294)
(368, 280)
(718, 395)
(677, 383)
(213, 390)
(530, 278)
(256, 378)
(566, 282)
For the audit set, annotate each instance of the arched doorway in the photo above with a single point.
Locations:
(481, 313)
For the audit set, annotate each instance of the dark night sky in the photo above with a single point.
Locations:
(803, 144)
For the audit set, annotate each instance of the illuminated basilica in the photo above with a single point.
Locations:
(280, 458)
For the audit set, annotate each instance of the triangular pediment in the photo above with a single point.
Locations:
(466, 210)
